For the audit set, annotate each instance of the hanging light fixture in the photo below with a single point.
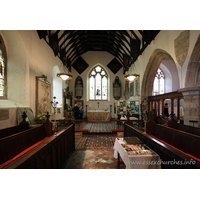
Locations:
(64, 75)
(132, 76)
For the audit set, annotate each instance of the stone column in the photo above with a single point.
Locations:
(191, 105)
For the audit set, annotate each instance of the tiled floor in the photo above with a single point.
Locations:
(92, 159)
(82, 125)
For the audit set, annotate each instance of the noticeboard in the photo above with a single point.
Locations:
(133, 107)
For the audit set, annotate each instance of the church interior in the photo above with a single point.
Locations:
(99, 99)
(132, 70)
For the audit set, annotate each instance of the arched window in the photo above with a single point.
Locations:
(159, 83)
(3, 92)
(98, 84)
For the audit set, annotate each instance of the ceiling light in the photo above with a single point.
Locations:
(131, 77)
(64, 76)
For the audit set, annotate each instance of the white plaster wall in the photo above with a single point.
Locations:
(41, 61)
(27, 57)
(93, 58)
(165, 40)
(17, 68)
(57, 86)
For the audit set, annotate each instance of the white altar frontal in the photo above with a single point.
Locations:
(98, 115)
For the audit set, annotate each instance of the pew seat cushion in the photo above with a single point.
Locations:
(23, 152)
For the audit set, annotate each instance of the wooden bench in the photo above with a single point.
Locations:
(182, 127)
(183, 141)
(15, 129)
(171, 156)
(13, 146)
(51, 152)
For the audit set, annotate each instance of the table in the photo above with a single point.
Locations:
(139, 161)
(98, 115)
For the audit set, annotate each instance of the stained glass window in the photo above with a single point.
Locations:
(2, 74)
(159, 83)
(98, 80)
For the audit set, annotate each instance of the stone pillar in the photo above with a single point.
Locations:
(191, 105)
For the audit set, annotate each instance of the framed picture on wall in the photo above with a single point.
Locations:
(79, 103)
(43, 89)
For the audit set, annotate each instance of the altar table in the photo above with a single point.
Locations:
(139, 161)
(98, 115)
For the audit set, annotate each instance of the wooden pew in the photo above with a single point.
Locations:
(49, 154)
(14, 145)
(182, 127)
(171, 157)
(183, 141)
(15, 129)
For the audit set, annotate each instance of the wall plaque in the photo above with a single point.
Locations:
(117, 88)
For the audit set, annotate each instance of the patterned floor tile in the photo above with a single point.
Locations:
(93, 159)
(100, 167)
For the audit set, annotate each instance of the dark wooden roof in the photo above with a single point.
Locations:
(124, 45)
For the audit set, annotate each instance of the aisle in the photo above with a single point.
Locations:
(92, 158)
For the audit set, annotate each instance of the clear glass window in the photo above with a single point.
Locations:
(159, 83)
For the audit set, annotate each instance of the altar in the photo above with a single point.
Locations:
(98, 115)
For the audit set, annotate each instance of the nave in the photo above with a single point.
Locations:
(94, 151)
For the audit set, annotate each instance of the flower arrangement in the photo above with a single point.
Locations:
(40, 118)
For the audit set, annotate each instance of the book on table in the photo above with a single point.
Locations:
(136, 149)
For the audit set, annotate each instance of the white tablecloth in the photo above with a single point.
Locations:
(145, 161)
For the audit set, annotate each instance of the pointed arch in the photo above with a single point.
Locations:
(148, 79)
(102, 92)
